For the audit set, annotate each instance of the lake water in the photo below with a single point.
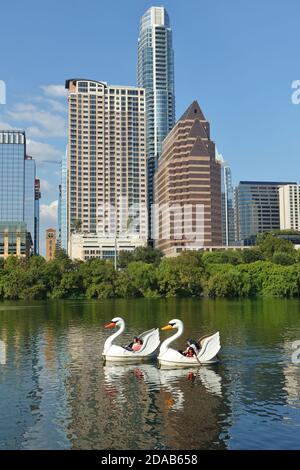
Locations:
(56, 394)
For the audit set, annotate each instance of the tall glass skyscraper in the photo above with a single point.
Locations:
(12, 175)
(18, 183)
(228, 233)
(29, 196)
(156, 74)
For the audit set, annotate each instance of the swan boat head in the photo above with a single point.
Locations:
(174, 324)
(117, 321)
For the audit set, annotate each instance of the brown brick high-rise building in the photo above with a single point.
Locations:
(188, 187)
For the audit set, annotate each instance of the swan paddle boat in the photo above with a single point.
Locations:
(209, 347)
(112, 352)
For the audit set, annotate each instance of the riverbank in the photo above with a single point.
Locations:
(269, 269)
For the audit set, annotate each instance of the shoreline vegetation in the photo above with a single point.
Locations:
(270, 268)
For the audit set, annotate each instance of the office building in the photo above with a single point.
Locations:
(15, 240)
(37, 197)
(18, 194)
(289, 207)
(228, 233)
(50, 243)
(32, 196)
(188, 187)
(155, 73)
(12, 175)
(257, 208)
(63, 205)
(107, 187)
(88, 246)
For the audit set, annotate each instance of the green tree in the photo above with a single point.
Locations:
(269, 244)
(143, 278)
(180, 276)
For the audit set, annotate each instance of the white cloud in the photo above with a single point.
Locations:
(43, 152)
(5, 125)
(45, 185)
(54, 90)
(48, 213)
(47, 124)
(55, 105)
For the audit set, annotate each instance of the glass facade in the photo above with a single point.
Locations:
(18, 184)
(156, 74)
(228, 234)
(12, 175)
(14, 239)
(256, 208)
(29, 198)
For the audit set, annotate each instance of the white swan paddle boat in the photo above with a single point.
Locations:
(209, 348)
(112, 352)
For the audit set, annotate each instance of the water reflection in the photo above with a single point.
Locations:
(55, 392)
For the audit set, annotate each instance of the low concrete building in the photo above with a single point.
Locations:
(84, 246)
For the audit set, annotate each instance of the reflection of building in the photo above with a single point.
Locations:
(50, 243)
(291, 374)
(156, 75)
(14, 240)
(257, 208)
(106, 160)
(18, 193)
(289, 204)
(188, 183)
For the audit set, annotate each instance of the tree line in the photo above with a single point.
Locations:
(271, 268)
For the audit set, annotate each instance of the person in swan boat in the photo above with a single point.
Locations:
(192, 348)
(135, 345)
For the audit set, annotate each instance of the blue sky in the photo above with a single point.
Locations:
(237, 58)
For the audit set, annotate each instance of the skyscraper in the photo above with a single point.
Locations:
(31, 201)
(228, 234)
(257, 208)
(12, 175)
(37, 195)
(63, 205)
(18, 183)
(188, 187)
(155, 73)
(289, 207)
(107, 184)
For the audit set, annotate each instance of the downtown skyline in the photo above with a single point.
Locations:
(251, 141)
